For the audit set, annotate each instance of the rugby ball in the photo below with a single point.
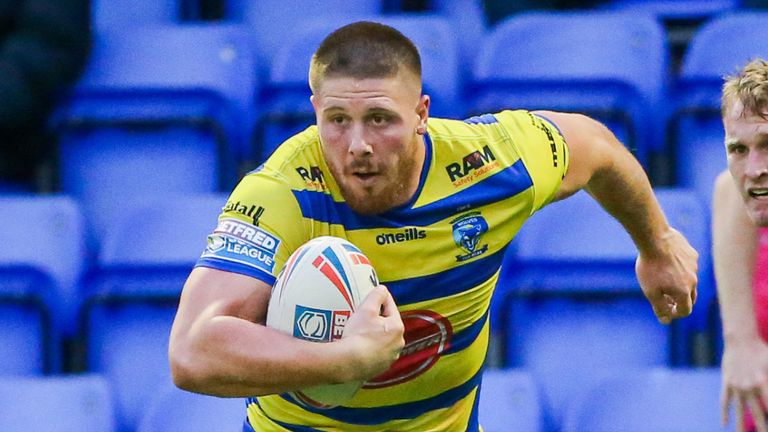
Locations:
(316, 291)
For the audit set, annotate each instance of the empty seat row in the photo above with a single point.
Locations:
(634, 400)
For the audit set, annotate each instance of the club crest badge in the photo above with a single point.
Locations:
(468, 231)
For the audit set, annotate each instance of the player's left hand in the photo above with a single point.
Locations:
(668, 278)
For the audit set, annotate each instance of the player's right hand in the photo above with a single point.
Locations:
(745, 381)
(374, 334)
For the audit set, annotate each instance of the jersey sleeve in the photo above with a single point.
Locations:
(258, 228)
(543, 150)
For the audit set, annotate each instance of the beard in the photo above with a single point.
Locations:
(390, 190)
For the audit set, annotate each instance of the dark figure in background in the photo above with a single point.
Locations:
(44, 46)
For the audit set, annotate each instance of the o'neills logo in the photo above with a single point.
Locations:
(476, 163)
(427, 336)
(404, 236)
(253, 212)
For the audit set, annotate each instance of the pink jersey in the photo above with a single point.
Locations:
(760, 284)
(760, 295)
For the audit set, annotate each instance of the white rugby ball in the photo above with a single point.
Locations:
(318, 288)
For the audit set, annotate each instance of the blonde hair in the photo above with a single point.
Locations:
(750, 87)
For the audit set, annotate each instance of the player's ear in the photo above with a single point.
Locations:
(423, 112)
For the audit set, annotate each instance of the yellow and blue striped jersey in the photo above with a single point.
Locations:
(439, 255)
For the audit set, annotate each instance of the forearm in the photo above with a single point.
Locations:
(622, 188)
(229, 356)
(734, 247)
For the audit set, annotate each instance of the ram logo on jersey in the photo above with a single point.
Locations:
(472, 166)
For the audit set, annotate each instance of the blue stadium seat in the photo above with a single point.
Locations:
(67, 403)
(676, 9)
(571, 286)
(610, 65)
(131, 298)
(658, 400)
(161, 109)
(128, 14)
(509, 401)
(468, 21)
(720, 47)
(41, 262)
(287, 109)
(173, 409)
(273, 23)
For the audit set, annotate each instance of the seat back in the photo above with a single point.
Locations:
(569, 287)
(160, 110)
(659, 400)
(128, 14)
(81, 403)
(610, 65)
(273, 23)
(509, 400)
(133, 295)
(173, 409)
(40, 269)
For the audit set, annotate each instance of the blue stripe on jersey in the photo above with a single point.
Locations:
(424, 173)
(444, 284)
(236, 268)
(465, 337)
(291, 427)
(409, 410)
(504, 184)
(482, 119)
(473, 425)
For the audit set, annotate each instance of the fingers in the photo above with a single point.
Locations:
(375, 300)
(739, 414)
(725, 402)
(662, 308)
(388, 307)
(757, 413)
(668, 308)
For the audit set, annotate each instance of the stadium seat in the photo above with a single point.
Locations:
(571, 286)
(467, 18)
(658, 400)
(610, 65)
(719, 48)
(287, 108)
(676, 9)
(273, 23)
(161, 109)
(173, 409)
(41, 262)
(128, 14)
(132, 296)
(509, 401)
(71, 403)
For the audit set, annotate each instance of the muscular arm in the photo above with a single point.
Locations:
(220, 346)
(734, 247)
(600, 164)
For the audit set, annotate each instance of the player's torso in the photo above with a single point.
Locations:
(439, 256)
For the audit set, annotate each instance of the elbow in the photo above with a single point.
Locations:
(186, 372)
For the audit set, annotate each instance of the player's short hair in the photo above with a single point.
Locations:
(750, 86)
(363, 50)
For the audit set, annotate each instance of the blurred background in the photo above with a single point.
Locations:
(124, 125)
